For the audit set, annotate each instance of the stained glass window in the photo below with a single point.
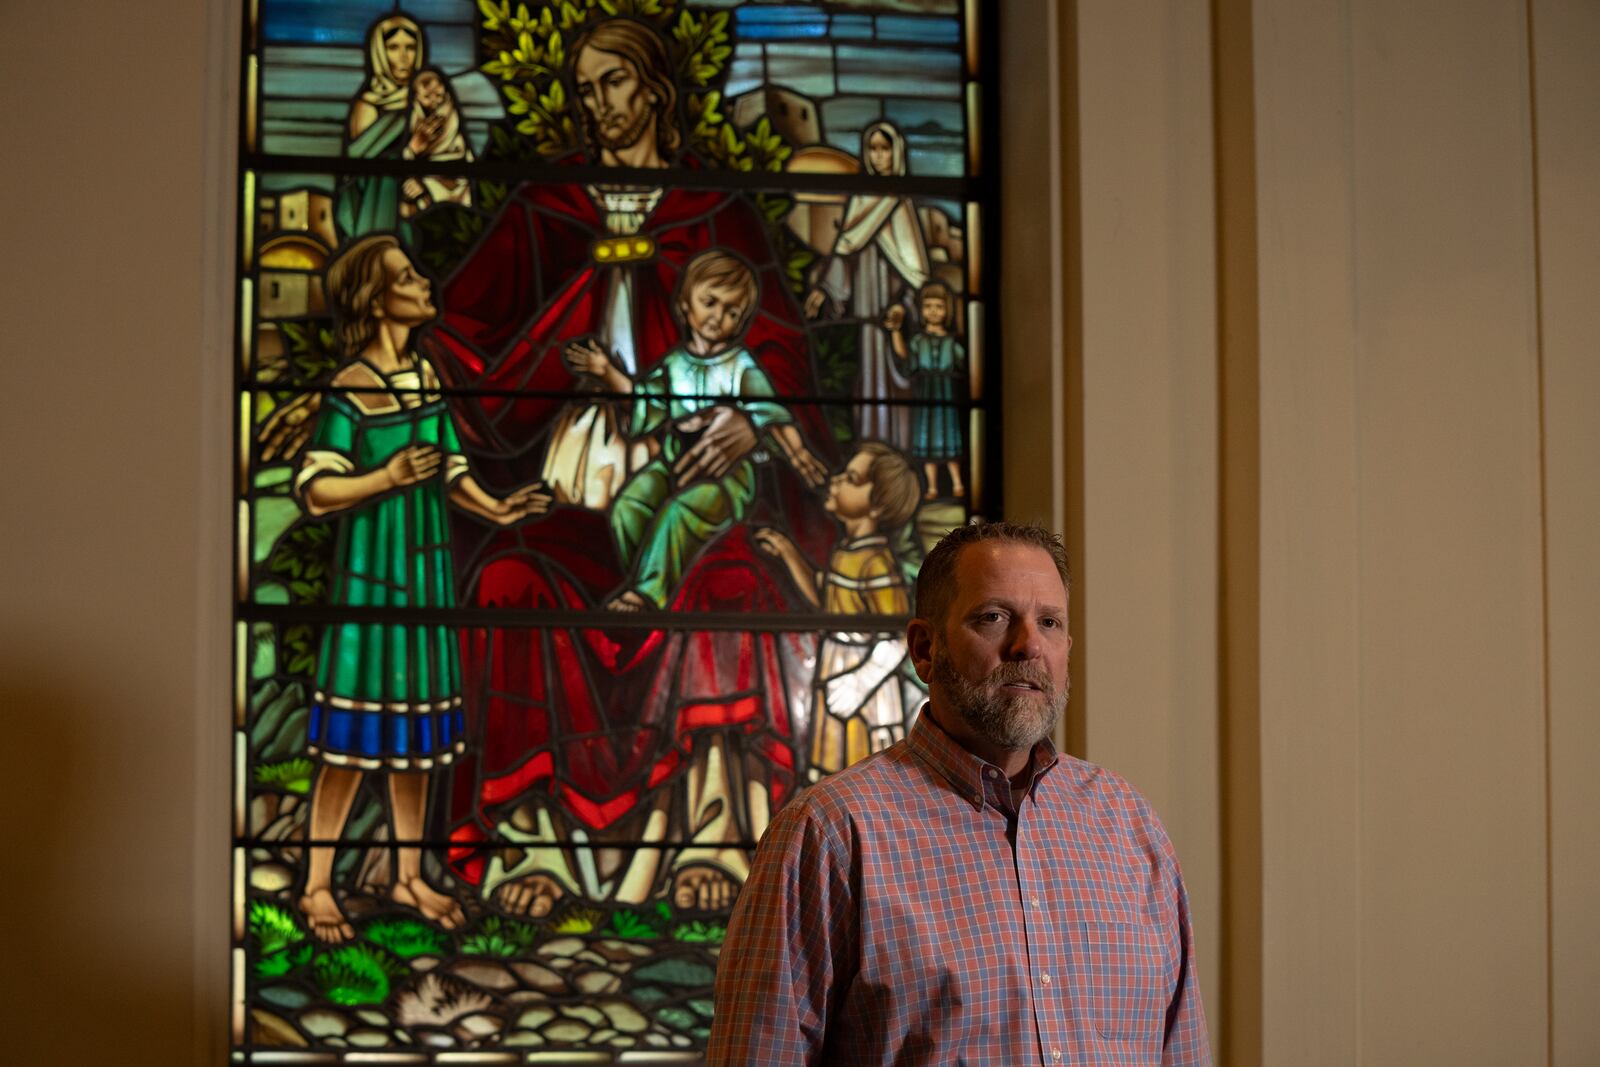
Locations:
(605, 369)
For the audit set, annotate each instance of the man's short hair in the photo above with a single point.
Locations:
(936, 581)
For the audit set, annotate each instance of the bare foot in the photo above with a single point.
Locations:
(629, 601)
(328, 923)
(533, 895)
(931, 494)
(958, 491)
(434, 905)
(703, 887)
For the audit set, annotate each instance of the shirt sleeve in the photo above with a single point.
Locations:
(332, 446)
(791, 948)
(455, 464)
(754, 388)
(1186, 1042)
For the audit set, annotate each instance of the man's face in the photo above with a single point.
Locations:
(408, 300)
(620, 106)
(997, 668)
(402, 53)
(850, 491)
(712, 313)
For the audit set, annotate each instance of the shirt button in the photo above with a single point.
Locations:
(991, 772)
(1034, 901)
(1045, 979)
(1055, 1054)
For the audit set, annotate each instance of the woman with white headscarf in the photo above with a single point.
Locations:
(379, 126)
(878, 259)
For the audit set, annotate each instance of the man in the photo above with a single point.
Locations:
(598, 734)
(968, 895)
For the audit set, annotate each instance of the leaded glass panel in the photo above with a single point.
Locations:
(604, 371)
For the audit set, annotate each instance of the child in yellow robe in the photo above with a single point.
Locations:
(859, 705)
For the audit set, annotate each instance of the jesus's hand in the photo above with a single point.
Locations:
(728, 437)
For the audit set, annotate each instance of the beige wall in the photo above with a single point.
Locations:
(1148, 501)
(1566, 88)
(1421, 253)
(113, 624)
(1409, 785)
(1404, 386)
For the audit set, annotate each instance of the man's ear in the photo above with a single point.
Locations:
(919, 642)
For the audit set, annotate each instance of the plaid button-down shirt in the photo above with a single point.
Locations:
(904, 912)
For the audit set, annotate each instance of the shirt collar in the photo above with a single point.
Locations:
(968, 773)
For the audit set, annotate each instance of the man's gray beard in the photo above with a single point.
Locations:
(1001, 718)
(628, 137)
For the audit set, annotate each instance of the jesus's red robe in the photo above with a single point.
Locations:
(586, 718)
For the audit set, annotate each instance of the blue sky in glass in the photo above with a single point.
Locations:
(858, 66)
(346, 22)
(796, 21)
(862, 68)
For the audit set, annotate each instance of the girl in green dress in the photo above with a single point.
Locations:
(936, 364)
(385, 460)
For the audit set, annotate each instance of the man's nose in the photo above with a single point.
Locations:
(1024, 641)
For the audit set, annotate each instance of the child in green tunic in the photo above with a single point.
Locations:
(707, 402)
(385, 462)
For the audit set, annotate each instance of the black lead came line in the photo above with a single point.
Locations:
(591, 619)
(505, 170)
(809, 400)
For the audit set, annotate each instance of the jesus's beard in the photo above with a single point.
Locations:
(1002, 717)
(627, 136)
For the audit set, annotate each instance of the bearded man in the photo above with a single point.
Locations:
(614, 733)
(968, 895)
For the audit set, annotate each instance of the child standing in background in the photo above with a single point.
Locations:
(935, 362)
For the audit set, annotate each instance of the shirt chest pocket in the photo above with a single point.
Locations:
(1120, 975)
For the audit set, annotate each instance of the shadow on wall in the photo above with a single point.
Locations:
(96, 851)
